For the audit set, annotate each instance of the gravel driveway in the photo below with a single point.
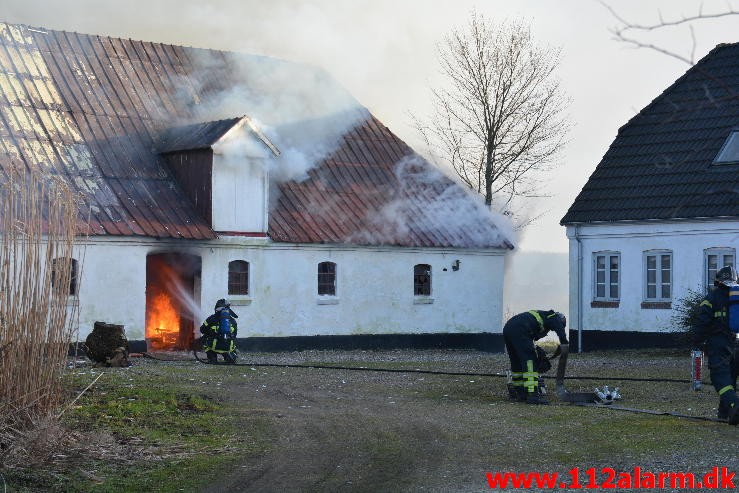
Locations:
(343, 430)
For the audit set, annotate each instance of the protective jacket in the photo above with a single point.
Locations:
(541, 322)
(213, 340)
(713, 314)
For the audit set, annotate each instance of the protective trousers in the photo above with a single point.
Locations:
(522, 354)
(724, 367)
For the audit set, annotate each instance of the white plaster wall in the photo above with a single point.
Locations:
(687, 240)
(239, 194)
(374, 287)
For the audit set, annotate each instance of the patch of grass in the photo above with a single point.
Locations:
(147, 429)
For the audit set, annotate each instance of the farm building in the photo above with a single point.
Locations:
(206, 174)
(660, 213)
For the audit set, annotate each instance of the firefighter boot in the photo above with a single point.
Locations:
(516, 392)
(515, 386)
(511, 391)
(536, 397)
(734, 414)
(723, 410)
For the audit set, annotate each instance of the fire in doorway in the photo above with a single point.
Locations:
(172, 293)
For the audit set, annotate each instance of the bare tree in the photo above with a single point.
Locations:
(631, 33)
(500, 116)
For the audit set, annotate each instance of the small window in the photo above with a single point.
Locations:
(327, 279)
(606, 268)
(64, 273)
(658, 276)
(716, 258)
(422, 280)
(729, 152)
(238, 277)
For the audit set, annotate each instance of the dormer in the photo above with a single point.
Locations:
(223, 168)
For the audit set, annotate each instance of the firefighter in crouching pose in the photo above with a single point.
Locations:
(718, 316)
(219, 333)
(528, 360)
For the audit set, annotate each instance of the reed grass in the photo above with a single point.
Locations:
(37, 238)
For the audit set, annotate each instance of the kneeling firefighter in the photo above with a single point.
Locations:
(219, 333)
(528, 360)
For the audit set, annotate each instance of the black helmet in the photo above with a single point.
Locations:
(560, 317)
(222, 303)
(726, 275)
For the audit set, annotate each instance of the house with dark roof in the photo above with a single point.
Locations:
(206, 174)
(660, 213)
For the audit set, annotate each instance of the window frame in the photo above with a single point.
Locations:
(733, 139)
(334, 279)
(607, 255)
(428, 274)
(74, 285)
(720, 253)
(246, 275)
(659, 281)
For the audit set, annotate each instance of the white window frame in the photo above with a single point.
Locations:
(730, 144)
(721, 253)
(72, 289)
(607, 255)
(659, 281)
(424, 299)
(335, 279)
(248, 279)
(327, 299)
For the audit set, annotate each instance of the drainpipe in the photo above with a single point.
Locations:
(579, 288)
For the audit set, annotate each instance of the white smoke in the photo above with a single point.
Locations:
(432, 204)
(299, 108)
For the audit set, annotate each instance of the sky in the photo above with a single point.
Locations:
(385, 53)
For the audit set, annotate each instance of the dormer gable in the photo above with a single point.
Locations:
(222, 168)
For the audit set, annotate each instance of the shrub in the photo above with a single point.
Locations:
(684, 317)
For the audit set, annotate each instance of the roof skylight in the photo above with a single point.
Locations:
(729, 152)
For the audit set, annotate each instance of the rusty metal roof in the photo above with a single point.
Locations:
(194, 136)
(93, 110)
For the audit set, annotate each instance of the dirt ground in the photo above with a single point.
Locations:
(343, 430)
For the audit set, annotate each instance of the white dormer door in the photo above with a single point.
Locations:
(239, 194)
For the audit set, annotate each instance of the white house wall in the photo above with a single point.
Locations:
(374, 287)
(687, 240)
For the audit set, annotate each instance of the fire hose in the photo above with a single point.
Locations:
(578, 399)
(416, 370)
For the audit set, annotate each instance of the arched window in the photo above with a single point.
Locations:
(238, 277)
(327, 279)
(422, 280)
(64, 273)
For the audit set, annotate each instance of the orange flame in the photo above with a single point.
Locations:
(163, 328)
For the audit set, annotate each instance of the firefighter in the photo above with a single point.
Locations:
(519, 334)
(219, 333)
(712, 329)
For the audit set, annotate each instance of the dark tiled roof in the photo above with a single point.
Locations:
(660, 166)
(99, 112)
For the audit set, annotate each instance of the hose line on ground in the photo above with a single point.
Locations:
(416, 370)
